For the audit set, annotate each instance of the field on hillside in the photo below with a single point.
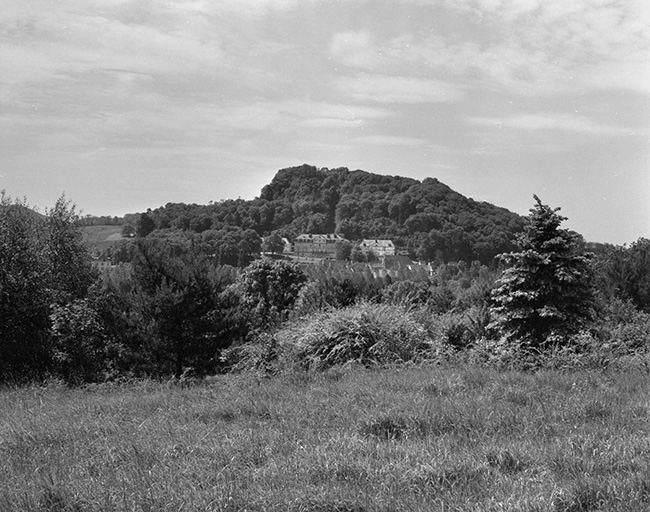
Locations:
(411, 439)
(101, 237)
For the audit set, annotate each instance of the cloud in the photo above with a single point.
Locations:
(390, 140)
(583, 43)
(526, 47)
(395, 89)
(85, 43)
(551, 121)
(355, 49)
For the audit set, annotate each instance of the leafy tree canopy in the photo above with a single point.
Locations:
(428, 218)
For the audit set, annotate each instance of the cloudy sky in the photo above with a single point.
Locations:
(126, 105)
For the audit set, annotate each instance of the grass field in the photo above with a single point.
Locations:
(410, 439)
(101, 237)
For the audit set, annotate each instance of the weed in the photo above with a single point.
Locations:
(326, 505)
(394, 427)
(597, 410)
(584, 497)
(505, 461)
(55, 500)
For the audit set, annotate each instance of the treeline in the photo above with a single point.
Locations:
(427, 219)
(177, 309)
(102, 220)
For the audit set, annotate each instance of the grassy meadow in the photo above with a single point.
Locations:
(452, 438)
(101, 237)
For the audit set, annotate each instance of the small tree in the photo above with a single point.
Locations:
(177, 299)
(70, 268)
(273, 243)
(357, 255)
(546, 293)
(270, 288)
(343, 250)
(79, 342)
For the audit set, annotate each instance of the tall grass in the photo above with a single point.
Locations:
(366, 333)
(430, 438)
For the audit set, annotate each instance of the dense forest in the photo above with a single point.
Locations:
(193, 294)
(427, 219)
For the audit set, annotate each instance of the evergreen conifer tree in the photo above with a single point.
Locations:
(546, 293)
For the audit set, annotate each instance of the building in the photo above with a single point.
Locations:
(102, 265)
(379, 247)
(316, 246)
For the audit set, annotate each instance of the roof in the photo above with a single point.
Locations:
(378, 243)
(317, 237)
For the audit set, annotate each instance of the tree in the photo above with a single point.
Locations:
(624, 272)
(71, 272)
(546, 292)
(343, 250)
(357, 255)
(174, 299)
(128, 230)
(145, 224)
(273, 243)
(79, 342)
(43, 262)
(23, 302)
(270, 288)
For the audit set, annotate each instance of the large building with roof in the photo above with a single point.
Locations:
(379, 247)
(316, 246)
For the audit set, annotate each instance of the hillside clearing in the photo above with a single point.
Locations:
(101, 237)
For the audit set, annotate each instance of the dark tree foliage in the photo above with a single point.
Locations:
(103, 220)
(547, 291)
(273, 243)
(80, 346)
(43, 263)
(23, 301)
(69, 260)
(229, 245)
(175, 298)
(427, 217)
(624, 273)
(145, 224)
(270, 289)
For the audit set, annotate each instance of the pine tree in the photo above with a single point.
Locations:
(546, 293)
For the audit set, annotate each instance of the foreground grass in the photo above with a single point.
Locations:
(356, 440)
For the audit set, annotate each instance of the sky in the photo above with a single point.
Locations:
(124, 105)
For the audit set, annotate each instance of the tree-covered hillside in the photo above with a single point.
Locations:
(427, 218)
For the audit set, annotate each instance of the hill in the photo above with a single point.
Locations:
(428, 218)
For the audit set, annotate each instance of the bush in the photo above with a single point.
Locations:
(260, 355)
(365, 333)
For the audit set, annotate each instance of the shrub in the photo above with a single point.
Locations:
(365, 333)
(259, 355)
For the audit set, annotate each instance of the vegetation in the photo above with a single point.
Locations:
(427, 219)
(367, 334)
(547, 291)
(177, 309)
(453, 438)
(198, 375)
(43, 263)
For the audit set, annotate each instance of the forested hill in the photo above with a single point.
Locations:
(427, 218)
